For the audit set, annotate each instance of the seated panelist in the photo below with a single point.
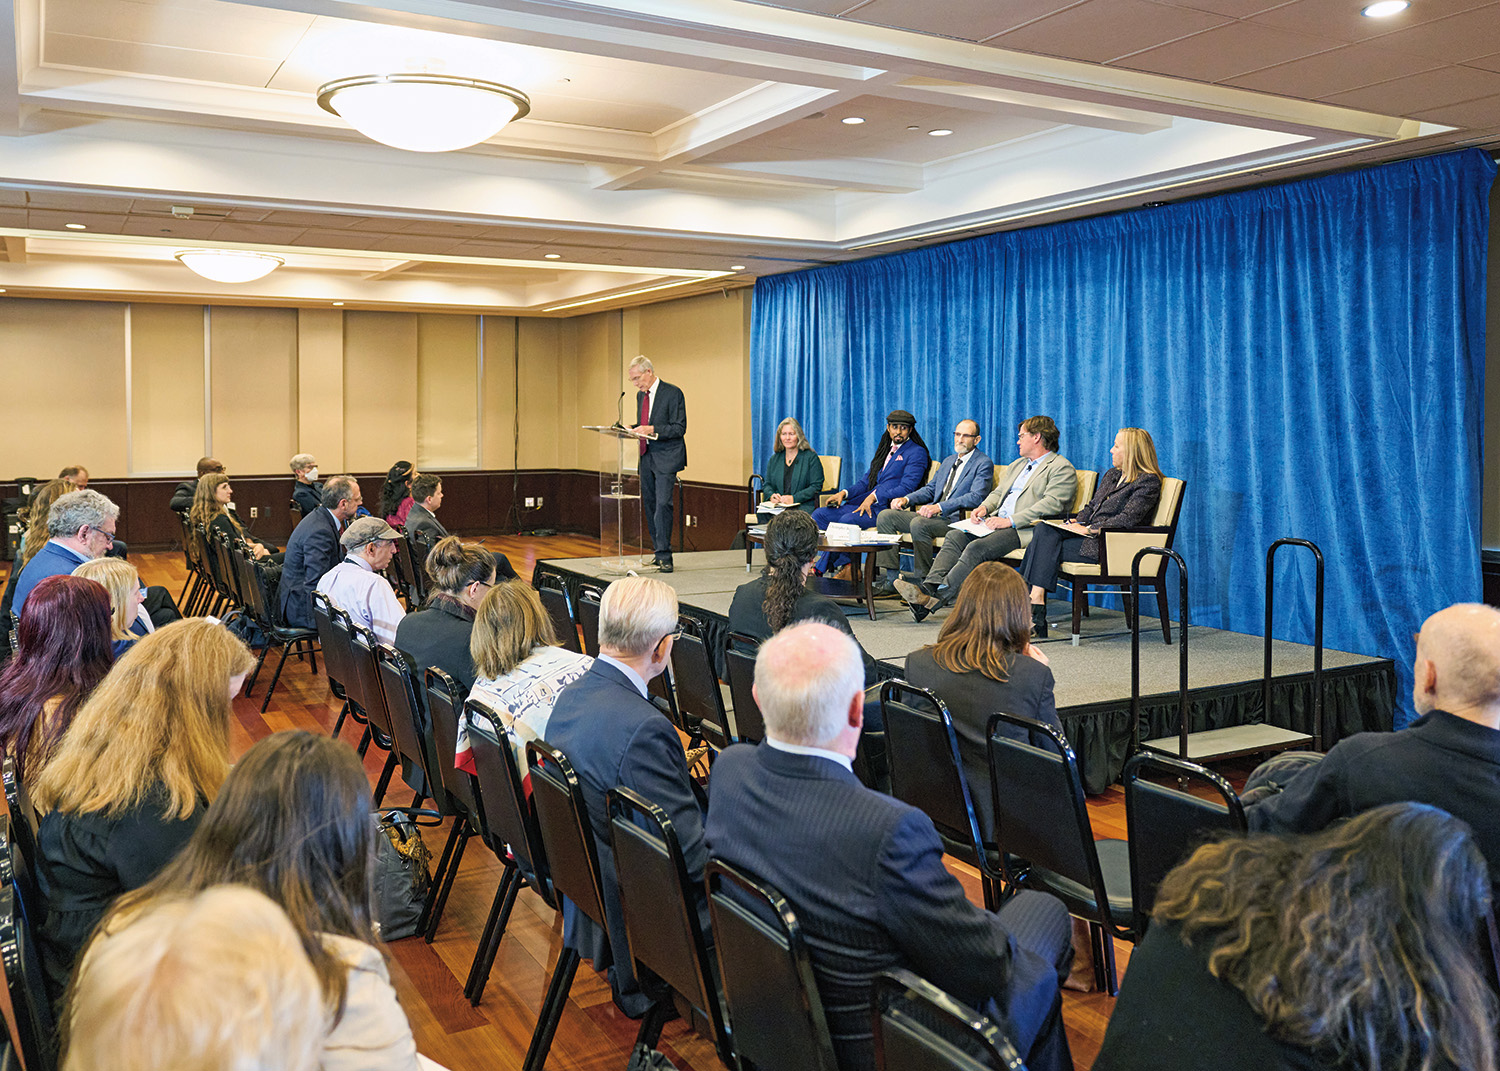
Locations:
(794, 475)
(898, 468)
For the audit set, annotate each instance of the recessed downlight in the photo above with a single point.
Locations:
(941, 132)
(851, 120)
(551, 256)
(736, 267)
(338, 302)
(76, 226)
(1384, 9)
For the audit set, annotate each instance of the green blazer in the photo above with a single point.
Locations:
(803, 480)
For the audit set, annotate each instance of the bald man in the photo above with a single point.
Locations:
(1449, 757)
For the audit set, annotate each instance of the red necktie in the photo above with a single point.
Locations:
(645, 414)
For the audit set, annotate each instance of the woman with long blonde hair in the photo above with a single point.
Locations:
(126, 596)
(794, 473)
(130, 779)
(36, 519)
(211, 510)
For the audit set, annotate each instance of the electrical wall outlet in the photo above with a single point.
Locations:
(539, 501)
(531, 503)
(254, 512)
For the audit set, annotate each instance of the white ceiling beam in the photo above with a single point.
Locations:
(396, 269)
(987, 99)
(20, 46)
(869, 176)
(15, 249)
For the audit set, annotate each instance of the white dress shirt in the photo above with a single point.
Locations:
(366, 596)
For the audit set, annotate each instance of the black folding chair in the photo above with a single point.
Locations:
(739, 663)
(420, 545)
(410, 733)
(197, 580)
(362, 646)
(1166, 824)
(23, 827)
(660, 903)
(337, 662)
(927, 771)
(15, 873)
(918, 1027)
(458, 800)
(408, 583)
(775, 1013)
(510, 830)
(700, 700)
(36, 1028)
(560, 609)
(563, 820)
(256, 587)
(1042, 818)
(587, 609)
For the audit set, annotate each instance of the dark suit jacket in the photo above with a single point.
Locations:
(975, 482)
(308, 496)
(438, 635)
(312, 551)
(182, 495)
(421, 520)
(971, 698)
(903, 473)
(1117, 505)
(614, 737)
(669, 417)
(747, 614)
(864, 873)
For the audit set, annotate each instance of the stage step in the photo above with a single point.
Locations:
(1230, 743)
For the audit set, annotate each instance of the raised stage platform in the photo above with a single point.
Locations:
(1093, 679)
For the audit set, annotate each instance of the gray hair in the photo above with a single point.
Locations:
(78, 508)
(805, 677)
(640, 360)
(336, 489)
(635, 613)
(303, 462)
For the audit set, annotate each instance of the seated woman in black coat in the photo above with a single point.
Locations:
(438, 634)
(1356, 947)
(1127, 496)
(984, 661)
(211, 510)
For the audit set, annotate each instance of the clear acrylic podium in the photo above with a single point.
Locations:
(619, 499)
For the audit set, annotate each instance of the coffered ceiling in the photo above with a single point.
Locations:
(673, 146)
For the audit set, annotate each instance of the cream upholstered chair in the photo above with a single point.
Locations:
(833, 472)
(1117, 550)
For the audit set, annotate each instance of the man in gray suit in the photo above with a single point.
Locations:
(1041, 483)
(427, 498)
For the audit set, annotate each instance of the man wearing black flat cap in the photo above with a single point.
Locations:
(898, 468)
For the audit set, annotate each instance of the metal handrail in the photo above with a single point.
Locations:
(1317, 681)
(1135, 645)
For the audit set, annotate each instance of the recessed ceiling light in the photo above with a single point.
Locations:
(914, 126)
(551, 256)
(852, 120)
(736, 267)
(1384, 9)
(338, 302)
(75, 226)
(2, 289)
(941, 132)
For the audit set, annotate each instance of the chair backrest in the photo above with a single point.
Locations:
(36, 1027)
(16, 873)
(23, 815)
(190, 545)
(1118, 549)
(587, 608)
(775, 1011)
(295, 513)
(833, 468)
(340, 631)
(406, 573)
(444, 698)
(871, 761)
(660, 903)
(918, 1027)
(555, 601)
(1040, 812)
(218, 548)
(362, 647)
(1088, 480)
(335, 654)
(508, 815)
(699, 700)
(419, 545)
(927, 770)
(739, 660)
(568, 836)
(1165, 824)
(410, 730)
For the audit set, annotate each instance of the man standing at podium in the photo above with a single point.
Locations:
(661, 421)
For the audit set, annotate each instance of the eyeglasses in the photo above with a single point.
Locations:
(965, 435)
(674, 635)
(109, 537)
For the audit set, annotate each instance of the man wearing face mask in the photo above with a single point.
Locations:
(307, 492)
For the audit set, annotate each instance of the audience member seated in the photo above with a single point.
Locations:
(1354, 947)
(76, 477)
(794, 473)
(211, 510)
(395, 493)
(307, 492)
(187, 490)
(356, 586)
(314, 549)
(779, 596)
(438, 634)
(520, 668)
(62, 655)
(293, 821)
(130, 779)
(218, 982)
(984, 661)
(421, 520)
(958, 485)
(608, 727)
(864, 872)
(1040, 483)
(898, 468)
(33, 538)
(1449, 757)
(127, 596)
(1127, 496)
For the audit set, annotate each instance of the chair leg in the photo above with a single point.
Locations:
(1080, 593)
(339, 724)
(1162, 612)
(250, 684)
(385, 777)
(552, 1009)
(441, 902)
(285, 647)
(442, 869)
(494, 931)
(364, 742)
(657, 1017)
(991, 892)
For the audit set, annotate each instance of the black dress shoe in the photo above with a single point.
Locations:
(1039, 622)
(919, 611)
(663, 567)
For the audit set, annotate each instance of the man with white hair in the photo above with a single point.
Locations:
(607, 726)
(355, 585)
(1449, 757)
(864, 872)
(661, 421)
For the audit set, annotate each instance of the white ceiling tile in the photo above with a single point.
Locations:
(14, 217)
(1480, 116)
(1100, 30)
(1335, 71)
(1234, 9)
(1455, 39)
(166, 227)
(1488, 63)
(256, 234)
(815, 7)
(1420, 93)
(1343, 22)
(56, 220)
(78, 202)
(967, 20)
(397, 243)
(1226, 52)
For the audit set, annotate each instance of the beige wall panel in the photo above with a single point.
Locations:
(380, 390)
(447, 391)
(544, 367)
(253, 386)
(320, 388)
(497, 393)
(166, 387)
(596, 351)
(702, 344)
(66, 361)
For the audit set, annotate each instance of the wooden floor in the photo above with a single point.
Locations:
(429, 978)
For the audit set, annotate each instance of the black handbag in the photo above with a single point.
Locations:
(402, 875)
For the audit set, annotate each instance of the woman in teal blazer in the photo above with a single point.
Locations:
(794, 475)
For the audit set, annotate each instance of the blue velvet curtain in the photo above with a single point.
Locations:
(1309, 357)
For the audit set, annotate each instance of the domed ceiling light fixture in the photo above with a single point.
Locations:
(230, 265)
(423, 112)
